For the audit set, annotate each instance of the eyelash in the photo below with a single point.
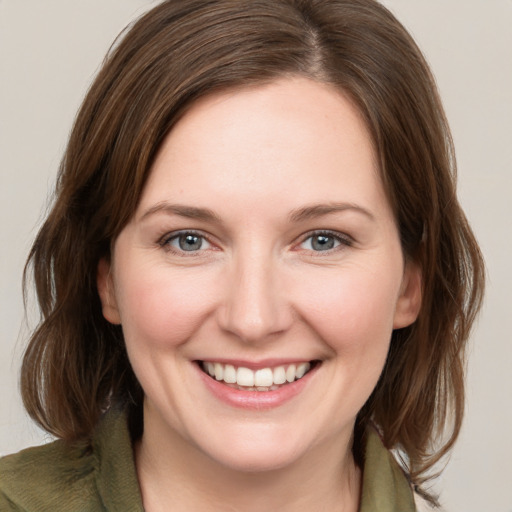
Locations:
(343, 240)
(165, 242)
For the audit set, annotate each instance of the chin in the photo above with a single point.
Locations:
(251, 460)
(256, 450)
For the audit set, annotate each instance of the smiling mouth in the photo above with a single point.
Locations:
(263, 379)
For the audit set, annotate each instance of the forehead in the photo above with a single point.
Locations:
(290, 141)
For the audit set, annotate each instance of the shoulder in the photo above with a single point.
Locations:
(55, 476)
(86, 476)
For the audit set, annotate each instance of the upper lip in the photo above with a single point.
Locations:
(256, 365)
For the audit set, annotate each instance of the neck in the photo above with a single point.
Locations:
(171, 471)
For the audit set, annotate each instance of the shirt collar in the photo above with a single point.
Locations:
(385, 486)
(116, 477)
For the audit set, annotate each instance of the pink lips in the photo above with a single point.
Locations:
(256, 400)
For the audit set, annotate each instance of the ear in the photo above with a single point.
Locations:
(105, 286)
(409, 301)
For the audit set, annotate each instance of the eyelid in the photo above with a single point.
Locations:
(344, 239)
(164, 241)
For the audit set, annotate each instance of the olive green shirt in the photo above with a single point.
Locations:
(82, 478)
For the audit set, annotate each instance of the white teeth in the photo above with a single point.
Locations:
(290, 373)
(219, 371)
(229, 374)
(279, 375)
(264, 379)
(302, 369)
(245, 377)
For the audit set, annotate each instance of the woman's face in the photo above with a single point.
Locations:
(263, 247)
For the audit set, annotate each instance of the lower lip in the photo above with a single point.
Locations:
(256, 400)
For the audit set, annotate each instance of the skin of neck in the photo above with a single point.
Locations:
(171, 471)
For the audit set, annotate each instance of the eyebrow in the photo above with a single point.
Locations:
(319, 210)
(189, 212)
(298, 215)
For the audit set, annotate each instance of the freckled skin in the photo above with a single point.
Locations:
(256, 288)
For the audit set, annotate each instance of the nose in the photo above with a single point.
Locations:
(255, 306)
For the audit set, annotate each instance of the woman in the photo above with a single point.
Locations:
(256, 278)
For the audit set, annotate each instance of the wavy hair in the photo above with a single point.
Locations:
(76, 366)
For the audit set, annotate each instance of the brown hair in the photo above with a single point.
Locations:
(76, 366)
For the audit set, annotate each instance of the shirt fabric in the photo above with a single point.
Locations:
(101, 476)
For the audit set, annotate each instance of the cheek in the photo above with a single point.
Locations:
(162, 308)
(353, 315)
(353, 310)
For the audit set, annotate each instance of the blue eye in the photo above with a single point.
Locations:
(187, 241)
(323, 241)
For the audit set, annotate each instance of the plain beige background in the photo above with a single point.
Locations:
(51, 49)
